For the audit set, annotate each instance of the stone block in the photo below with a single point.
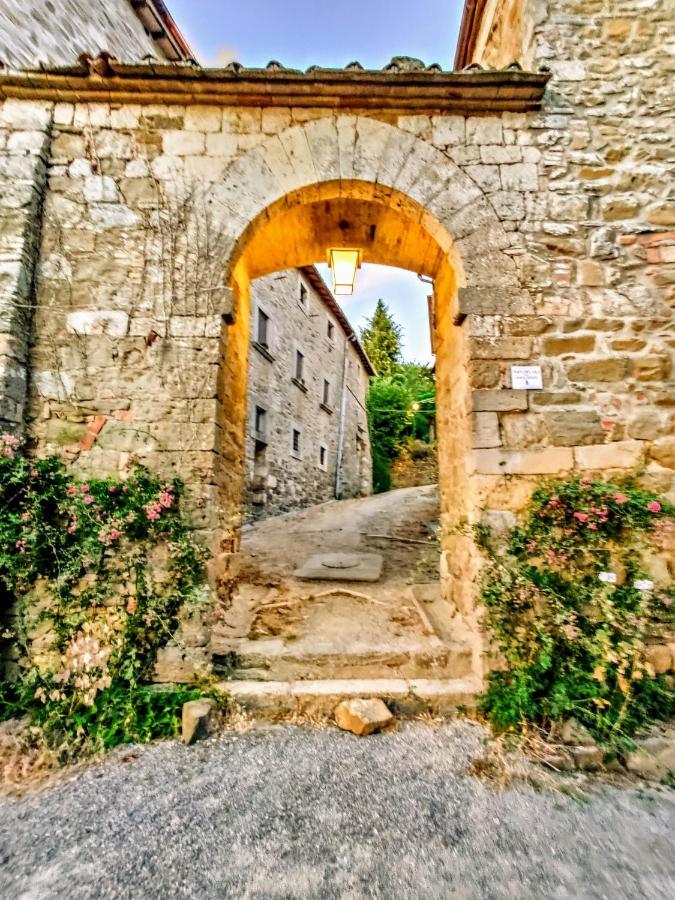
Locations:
(500, 155)
(604, 370)
(654, 757)
(500, 401)
(501, 348)
(486, 430)
(486, 177)
(663, 452)
(173, 666)
(100, 189)
(183, 143)
(203, 118)
(557, 346)
(30, 115)
(275, 119)
(484, 130)
(509, 205)
(113, 215)
(494, 301)
(361, 716)
(114, 323)
(547, 461)
(649, 368)
(617, 455)
(520, 177)
(570, 428)
(448, 130)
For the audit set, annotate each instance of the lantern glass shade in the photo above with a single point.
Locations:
(344, 263)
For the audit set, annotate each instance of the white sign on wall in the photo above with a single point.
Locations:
(526, 378)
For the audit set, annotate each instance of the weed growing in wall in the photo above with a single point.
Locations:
(93, 576)
(570, 601)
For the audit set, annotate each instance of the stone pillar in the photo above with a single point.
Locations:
(25, 133)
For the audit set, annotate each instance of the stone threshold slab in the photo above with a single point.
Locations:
(405, 696)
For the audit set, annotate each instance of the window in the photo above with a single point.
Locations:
(299, 364)
(296, 442)
(326, 393)
(263, 328)
(323, 458)
(330, 331)
(303, 295)
(260, 421)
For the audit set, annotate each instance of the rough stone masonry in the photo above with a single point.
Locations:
(549, 228)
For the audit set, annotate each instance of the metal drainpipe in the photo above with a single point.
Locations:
(341, 428)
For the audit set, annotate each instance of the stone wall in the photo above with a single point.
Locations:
(24, 151)
(58, 31)
(278, 478)
(557, 225)
(596, 242)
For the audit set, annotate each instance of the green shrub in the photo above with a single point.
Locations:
(572, 643)
(99, 571)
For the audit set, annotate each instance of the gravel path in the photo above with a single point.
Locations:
(288, 812)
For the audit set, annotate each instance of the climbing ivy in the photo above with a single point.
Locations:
(93, 575)
(569, 606)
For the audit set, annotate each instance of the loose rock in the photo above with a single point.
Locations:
(362, 716)
(197, 716)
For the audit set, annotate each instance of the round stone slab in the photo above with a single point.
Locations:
(341, 567)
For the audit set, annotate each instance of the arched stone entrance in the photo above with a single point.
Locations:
(353, 181)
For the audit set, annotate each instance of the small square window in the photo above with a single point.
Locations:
(323, 457)
(296, 441)
(330, 331)
(326, 393)
(263, 328)
(303, 295)
(299, 364)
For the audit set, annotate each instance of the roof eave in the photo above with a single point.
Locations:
(106, 79)
(312, 275)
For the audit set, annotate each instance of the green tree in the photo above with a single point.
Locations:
(381, 339)
(388, 405)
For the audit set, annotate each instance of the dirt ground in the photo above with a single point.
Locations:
(276, 547)
(398, 626)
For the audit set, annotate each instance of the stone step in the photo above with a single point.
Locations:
(278, 660)
(274, 699)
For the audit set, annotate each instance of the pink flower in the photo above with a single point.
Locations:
(666, 601)
(152, 514)
(112, 489)
(620, 498)
(71, 528)
(25, 516)
(85, 488)
(131, 517)
(71, 490)
(165, 499)
(33, 473)
(88, 499)
(654, 506)
(593, 527)
(582, 517)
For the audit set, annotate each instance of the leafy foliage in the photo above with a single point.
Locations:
(571, 642)
(401, 407)
(381, 339)
(95, 574)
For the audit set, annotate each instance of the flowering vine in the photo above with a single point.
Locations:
(571, 601)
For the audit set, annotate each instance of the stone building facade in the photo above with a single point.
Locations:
(307, 438)
(540, 202)
(58, 31)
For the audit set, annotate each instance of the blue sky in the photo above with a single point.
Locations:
(300, 33)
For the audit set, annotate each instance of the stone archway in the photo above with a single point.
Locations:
(405, 203)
